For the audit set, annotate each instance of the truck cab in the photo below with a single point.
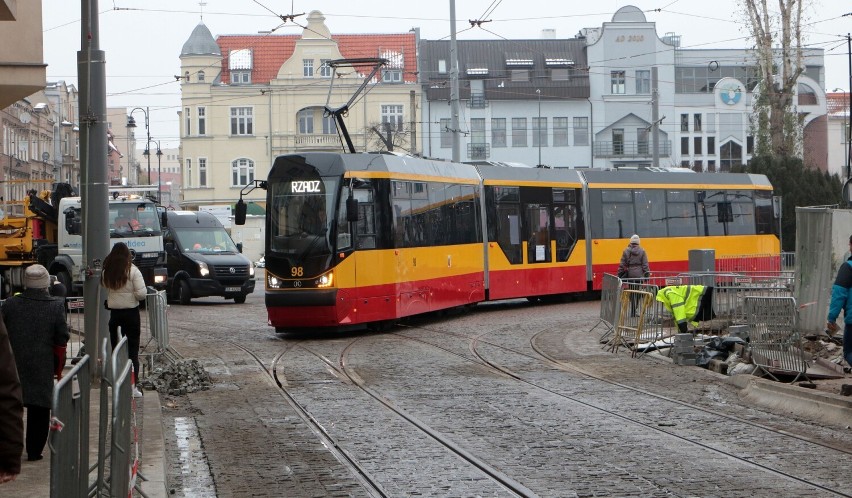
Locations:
(202, 259)
(133, 219)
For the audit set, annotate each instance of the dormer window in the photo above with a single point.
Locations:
(392, 76)
(477, 70)
(557, 61)
(519, 60)
(240, 65)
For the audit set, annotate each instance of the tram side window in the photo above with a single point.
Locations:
(764, 219)
(717, 212)
(401, 200)
(681, 216)
(650, 208)
(467, 222)
(344, 234)
(742, 213)
(565, 224)
(618, 214)
(366, 228)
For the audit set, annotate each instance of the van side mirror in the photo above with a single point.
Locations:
(170, 247)
(239, 247)
(240, 211)
(351, 209)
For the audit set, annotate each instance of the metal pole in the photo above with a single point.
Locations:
(159, 175)
(655, 119)
(454, 84)
(148, 144)
(849, 126)
(91, 73)
(538, 91)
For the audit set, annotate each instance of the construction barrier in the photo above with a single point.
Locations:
(774, 338)
(69, 433)
(634, 303)
(610, 299)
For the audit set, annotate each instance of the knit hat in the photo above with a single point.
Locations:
(36, 277)
(634, 239)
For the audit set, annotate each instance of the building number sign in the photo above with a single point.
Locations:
(629, 38)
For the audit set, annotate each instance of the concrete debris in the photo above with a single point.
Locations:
(179, 378)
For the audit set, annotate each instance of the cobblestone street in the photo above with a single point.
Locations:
(507, 399)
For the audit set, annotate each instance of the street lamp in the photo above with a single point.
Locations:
(147, 154)
(131, 123)
(538, 91)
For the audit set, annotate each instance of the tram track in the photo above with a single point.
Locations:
(479, 358)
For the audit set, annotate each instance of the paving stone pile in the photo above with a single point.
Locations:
(181, 377)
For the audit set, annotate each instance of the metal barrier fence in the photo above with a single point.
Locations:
(69, 433)
(120, 450)
(610, 299)
(774, 338)
(730, 291)
(158, 320)
(74, 313)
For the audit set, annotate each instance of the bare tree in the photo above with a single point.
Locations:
(777, 126)
(386, 136)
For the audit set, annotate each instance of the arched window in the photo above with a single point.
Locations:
(200, 75)
(731, 153)
(242, 172)
(186, 76)
(306, 121)
(807, 95)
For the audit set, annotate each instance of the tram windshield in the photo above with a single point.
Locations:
(300, 225)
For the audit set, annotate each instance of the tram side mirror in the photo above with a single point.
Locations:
(240, 212)
(351, 209)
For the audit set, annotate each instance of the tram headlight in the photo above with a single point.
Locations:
(325, 280)
(203, 269)
(273, 282)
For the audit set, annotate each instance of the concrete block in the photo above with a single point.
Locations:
(740, 331)
(718, 366)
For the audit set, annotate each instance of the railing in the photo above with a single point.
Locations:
(69, 433)
(629, 149)
(478, 151)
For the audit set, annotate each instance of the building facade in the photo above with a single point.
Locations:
(247, 99)
(22, 67)
(590, 101)
(65, 108)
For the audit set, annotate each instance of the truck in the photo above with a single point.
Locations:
(47, 229)
(203, 260)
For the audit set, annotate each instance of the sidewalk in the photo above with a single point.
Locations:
(34, 480)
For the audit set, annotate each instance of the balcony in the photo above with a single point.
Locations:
(477, 102)
(478, 151)
(630, 149)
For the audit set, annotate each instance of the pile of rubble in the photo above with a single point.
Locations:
(178, 378)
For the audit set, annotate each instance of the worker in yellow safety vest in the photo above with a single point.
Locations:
(687, 303)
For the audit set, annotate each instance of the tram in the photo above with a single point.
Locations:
(356, 240)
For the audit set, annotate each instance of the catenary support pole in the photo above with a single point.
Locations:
(91, 73)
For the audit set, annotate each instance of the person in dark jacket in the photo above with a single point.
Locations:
(11, 412)
(841, 299)
(38, 332)
(634, 261)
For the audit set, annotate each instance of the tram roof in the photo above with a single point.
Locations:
(661, 179)
(381, 166)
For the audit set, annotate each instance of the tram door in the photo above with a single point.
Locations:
(538, 233)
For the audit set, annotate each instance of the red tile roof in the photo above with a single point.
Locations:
(837, 103)
(271, 51)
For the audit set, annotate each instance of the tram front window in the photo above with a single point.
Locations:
(300, 225)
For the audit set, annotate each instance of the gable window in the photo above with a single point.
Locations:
(442, 66)
(202, 120)
(202, 171)
(616, 82)
(642, 140)
(498, 132)
(325, 69)
(392, 114)
(242, 121)
(308, 68)
(306, 121)
(242, 172)
(519, 132)
(643, 82)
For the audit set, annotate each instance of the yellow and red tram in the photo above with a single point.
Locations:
(360, 239)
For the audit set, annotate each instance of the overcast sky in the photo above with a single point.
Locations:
(142, 39)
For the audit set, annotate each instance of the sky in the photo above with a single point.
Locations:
(142, 39)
